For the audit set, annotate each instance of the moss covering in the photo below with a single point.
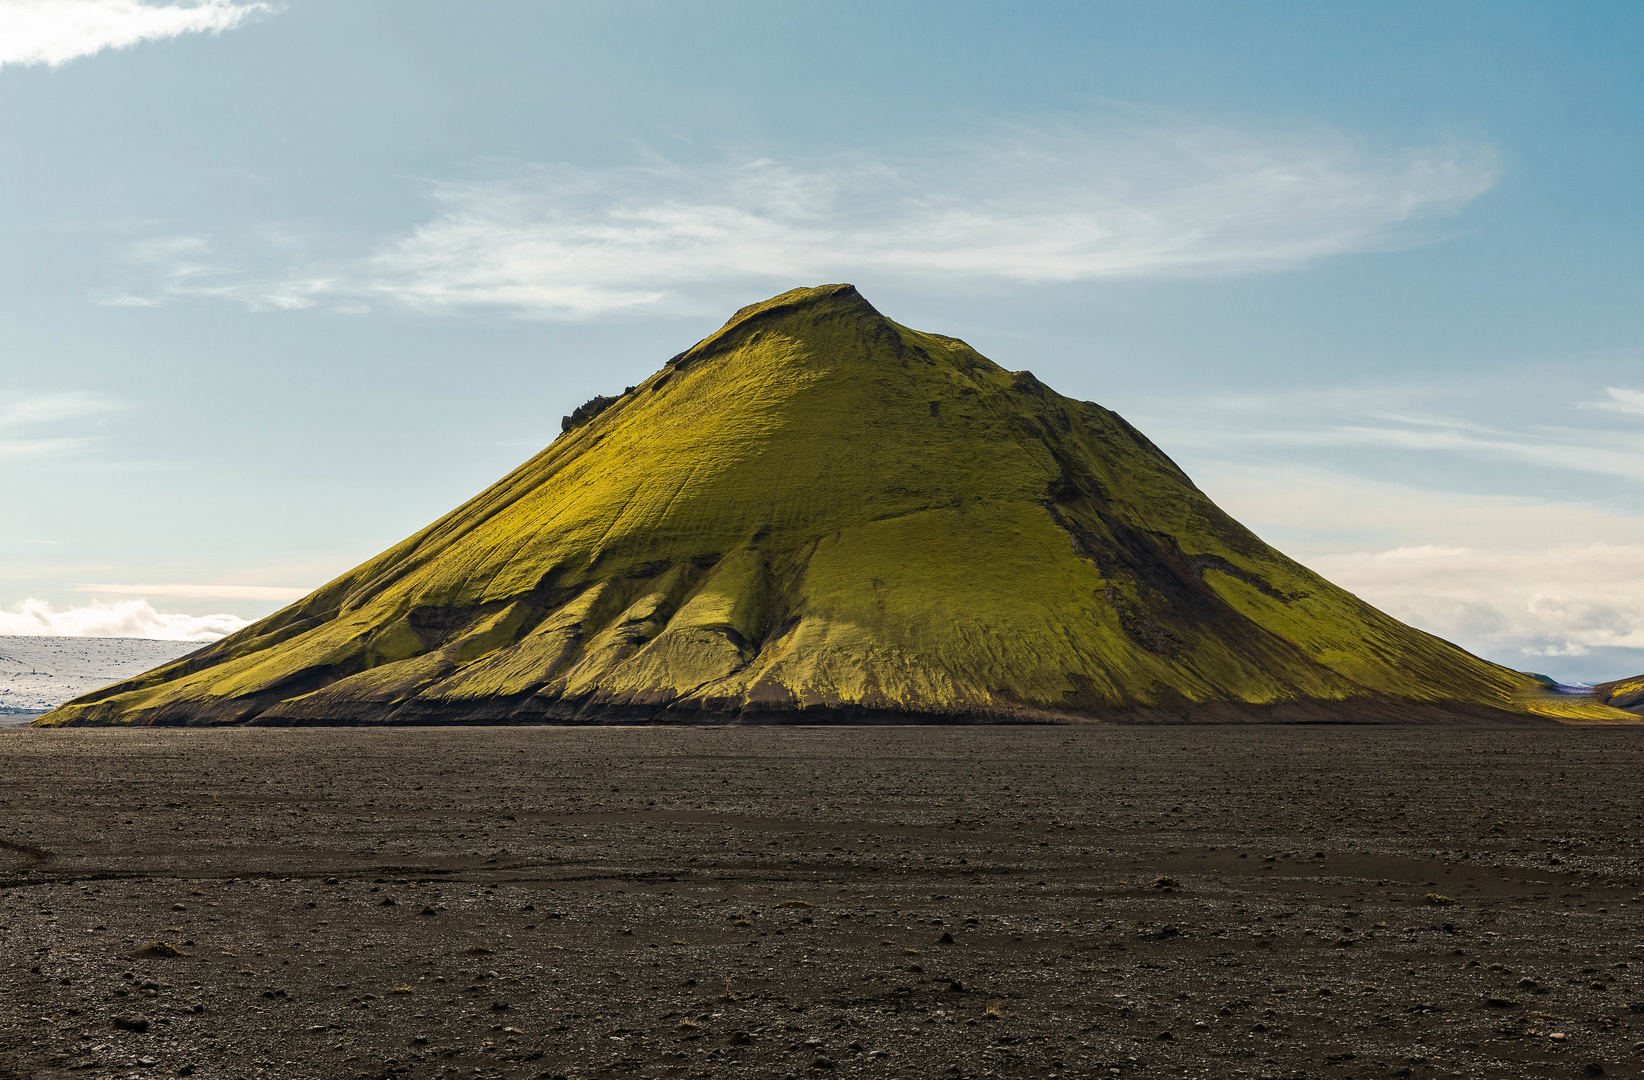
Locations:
(818, 513)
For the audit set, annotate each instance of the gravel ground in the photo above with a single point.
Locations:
(773, 902)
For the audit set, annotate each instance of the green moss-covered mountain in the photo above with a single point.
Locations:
(819, 514)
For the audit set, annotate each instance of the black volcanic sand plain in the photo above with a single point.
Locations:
(770, 902)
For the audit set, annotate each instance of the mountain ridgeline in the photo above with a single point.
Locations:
(818, 515)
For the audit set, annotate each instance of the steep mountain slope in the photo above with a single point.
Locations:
(816, 513)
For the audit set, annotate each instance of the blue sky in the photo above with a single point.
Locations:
(282, 282)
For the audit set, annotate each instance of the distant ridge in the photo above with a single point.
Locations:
(816, 514)
(1625, 694)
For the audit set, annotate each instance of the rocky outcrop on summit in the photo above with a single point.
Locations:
(817, 514)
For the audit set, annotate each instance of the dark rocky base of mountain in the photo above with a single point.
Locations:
(1398, 713)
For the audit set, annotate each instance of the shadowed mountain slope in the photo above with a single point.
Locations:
(817, 514)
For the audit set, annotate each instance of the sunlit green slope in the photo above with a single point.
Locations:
(817, 513)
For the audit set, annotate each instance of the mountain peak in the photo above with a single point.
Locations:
(843, 296)
(838, 301)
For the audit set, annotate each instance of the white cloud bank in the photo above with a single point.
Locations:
(126, 618)
(1560, 601)
(1069, 204)
(57, 31)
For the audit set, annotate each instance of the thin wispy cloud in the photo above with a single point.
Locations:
(1315, 510)
(1415, 418)
(126, 618)
(28, 423)
(56, 31)
(29, 448)
(1027, 205)
(1622, 401)
(29, 410)
(203, 592)
(1557, 448)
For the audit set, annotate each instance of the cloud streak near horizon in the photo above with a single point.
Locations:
(1028, 205)
(204, 592)
(54, 32)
